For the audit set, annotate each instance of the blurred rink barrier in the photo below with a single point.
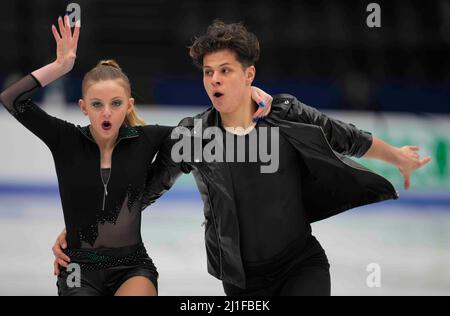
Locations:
(26, 163)
(397, 247)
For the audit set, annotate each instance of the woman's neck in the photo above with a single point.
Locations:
(105, 145)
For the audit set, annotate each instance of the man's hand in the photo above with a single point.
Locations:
(60, 257)
(408, 161)
(405, 158)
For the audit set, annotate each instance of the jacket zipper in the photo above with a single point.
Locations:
(105, 185)
(218, 242)
(216, 230)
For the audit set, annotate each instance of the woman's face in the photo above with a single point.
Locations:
(106, 103)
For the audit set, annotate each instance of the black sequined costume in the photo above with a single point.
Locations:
(97, 214)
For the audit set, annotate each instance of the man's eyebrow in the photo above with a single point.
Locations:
(224, 64)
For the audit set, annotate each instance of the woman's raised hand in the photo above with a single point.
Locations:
(66, 43)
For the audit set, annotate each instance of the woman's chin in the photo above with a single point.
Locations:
(105, 133)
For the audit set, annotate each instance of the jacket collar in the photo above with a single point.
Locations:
(211, 117)
(125, 132)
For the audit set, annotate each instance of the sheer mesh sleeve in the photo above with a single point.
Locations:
(14, 96)
(16, 99)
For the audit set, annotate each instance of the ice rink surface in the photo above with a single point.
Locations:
(409, 243)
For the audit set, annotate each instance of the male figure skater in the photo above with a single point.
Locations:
(258, 234)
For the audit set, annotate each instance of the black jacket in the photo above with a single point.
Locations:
(85, 200)
(332, 183)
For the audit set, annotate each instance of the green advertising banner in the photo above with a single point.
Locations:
(430, 133)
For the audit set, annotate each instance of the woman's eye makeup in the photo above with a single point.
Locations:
(96, 104)
(114, 103)
(117, 103)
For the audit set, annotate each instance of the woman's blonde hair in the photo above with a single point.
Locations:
(110, 70)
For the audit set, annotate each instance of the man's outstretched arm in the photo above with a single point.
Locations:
(405, 158)
(347, 139)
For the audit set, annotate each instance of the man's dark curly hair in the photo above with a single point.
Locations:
(234, 37)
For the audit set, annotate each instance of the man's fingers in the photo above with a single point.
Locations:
(415, 148)
(55, 249)
(59, 254)
(62, 242)
(407, 182)
(55, 268)
(424, 161)
(63, 263)
(65, 258)
(62, 256)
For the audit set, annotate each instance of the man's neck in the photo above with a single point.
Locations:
(242, 117)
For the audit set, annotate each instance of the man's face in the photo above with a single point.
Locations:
(225, 80)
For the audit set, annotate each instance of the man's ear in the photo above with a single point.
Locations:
(250, 73)
(130, 105)
(82, 105)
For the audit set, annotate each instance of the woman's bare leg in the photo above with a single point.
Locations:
(137, 286)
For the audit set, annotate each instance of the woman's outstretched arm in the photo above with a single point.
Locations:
(17, 98)
(66, 53)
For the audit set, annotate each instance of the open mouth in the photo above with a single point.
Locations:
(218, 94)
(106, 125)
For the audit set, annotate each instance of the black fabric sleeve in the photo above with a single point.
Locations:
(16, 99)
(344, 138)
(162, 173)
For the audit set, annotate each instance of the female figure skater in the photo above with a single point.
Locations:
(101, 169)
